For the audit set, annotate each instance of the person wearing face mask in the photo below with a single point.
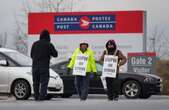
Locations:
(113, 83)
(82, 82)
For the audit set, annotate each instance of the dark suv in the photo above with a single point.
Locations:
(132, 85)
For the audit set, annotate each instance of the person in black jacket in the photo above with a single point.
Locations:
(41, 52)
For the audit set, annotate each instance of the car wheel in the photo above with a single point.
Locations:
(145, 96)
(66, 95)
(131, 89)
(21, 90)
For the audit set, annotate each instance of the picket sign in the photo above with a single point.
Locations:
(110, 66)
(103, 79)
(80, 66)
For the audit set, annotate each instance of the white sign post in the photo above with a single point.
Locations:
(110, 66)
(80, 65)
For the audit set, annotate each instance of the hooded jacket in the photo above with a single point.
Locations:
(42, 50)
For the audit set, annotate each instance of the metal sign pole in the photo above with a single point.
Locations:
(145, 32)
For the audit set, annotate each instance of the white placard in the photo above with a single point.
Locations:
(110, 66)
(80, 65)
(103, 79)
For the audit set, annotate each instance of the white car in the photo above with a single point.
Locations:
(16, 76)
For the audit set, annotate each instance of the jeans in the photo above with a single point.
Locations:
(82, 85)
(40, 82)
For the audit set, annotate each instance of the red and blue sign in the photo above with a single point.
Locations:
(80, 23)
(87, 22)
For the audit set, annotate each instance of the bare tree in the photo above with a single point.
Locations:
(158, 42)
(57, 5)
(20, 39)
(41, 6)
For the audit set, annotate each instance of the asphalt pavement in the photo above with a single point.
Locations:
(94, 102)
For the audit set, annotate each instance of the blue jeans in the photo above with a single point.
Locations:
(82, 85)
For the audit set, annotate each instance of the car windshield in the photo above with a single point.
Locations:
(20, 58)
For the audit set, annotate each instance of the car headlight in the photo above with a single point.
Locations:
(54, 77)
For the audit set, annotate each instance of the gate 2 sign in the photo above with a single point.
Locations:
(141, 62)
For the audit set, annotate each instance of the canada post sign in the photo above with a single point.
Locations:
(86, 22)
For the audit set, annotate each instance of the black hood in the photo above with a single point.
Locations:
(45, 35)
(112, 42)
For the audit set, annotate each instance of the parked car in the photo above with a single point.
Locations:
(132, 85)
(16, 76)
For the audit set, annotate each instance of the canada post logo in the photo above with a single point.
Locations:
(84, 22)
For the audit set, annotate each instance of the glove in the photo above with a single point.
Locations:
(91, 76)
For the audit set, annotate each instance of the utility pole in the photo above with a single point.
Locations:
(153, 41)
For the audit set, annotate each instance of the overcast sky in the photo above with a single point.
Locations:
(157, 10)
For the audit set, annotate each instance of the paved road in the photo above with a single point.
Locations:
(93, 103)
